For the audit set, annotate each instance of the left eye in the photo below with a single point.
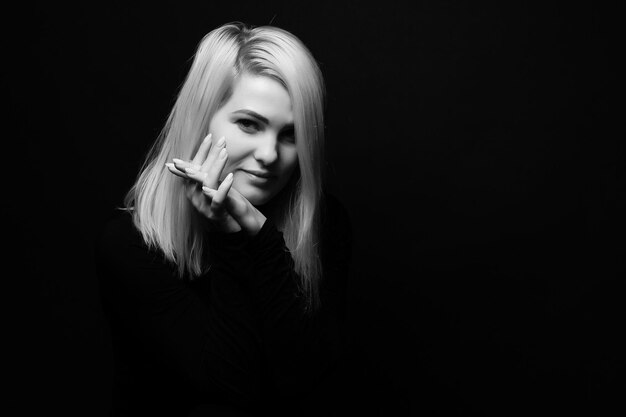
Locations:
(247, 125)
(289, 136)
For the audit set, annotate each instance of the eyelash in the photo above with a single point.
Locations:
(247, 124)
(289, 136)
(251, 126)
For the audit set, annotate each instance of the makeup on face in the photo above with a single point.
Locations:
(257, 122)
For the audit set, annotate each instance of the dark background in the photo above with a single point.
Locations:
(477, 147)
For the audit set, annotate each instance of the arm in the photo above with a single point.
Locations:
(300, 348)
(171, 328)
(163, 327)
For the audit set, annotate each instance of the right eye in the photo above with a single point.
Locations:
(247, 125)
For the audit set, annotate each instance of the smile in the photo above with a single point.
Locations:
(259, 175)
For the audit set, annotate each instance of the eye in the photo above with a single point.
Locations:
(247, 125)
(288, 135)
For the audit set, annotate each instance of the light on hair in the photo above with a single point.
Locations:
(161, 211)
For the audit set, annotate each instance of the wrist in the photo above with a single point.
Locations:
(259, 222)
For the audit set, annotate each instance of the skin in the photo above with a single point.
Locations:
(256, 148)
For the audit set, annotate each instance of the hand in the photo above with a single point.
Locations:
(204, 170)
(223, 205)
(236, 205)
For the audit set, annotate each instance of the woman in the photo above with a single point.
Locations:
(220, 280)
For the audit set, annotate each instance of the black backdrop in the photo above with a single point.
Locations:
(477, 148)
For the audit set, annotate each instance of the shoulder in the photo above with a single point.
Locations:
(121, 244)
(117, 231)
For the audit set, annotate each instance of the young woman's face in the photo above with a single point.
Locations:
(257, 122)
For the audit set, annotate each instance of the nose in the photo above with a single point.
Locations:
(266, 152)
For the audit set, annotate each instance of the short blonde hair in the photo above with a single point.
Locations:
(162, 212)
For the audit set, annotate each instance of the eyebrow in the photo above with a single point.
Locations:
(253, 114)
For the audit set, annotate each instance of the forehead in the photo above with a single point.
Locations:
(263, 95)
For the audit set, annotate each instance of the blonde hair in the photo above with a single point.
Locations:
(161, 211)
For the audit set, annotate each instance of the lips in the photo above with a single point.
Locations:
(259, 174)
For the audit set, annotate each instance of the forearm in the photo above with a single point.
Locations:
(299, 346)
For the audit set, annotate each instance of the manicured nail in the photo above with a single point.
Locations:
(178, 161)
(222, 141)
(208, 190)
(207, 138)
(169, 165)
(223, 153)
(229, 177)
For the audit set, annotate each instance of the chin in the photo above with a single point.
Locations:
(256, 196)
(257, 201)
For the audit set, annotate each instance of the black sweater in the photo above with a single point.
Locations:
(238, 335)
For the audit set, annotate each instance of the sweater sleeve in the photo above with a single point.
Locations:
(301, 347)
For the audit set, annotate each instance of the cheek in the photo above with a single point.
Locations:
(236, 152)
(218, 126)
(290, 160)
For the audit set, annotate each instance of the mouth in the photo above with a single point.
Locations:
(263, 175)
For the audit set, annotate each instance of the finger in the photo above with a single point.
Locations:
(203, 150)
(214, 171)
(236, 203)
(213, 154)
(181, 165)
(233, 201)
(244, 213)
(175, 171)
(241, 211)
(219, 196)
(196, 175)
(192, 191)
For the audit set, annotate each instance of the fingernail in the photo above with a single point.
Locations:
(208, 190)
(178, 161)
(207, 138)
(169, 165)
(222, 141)
(229, 177)
(223, 153)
